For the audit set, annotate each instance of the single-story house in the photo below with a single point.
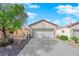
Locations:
(43, 28)
(70, 30)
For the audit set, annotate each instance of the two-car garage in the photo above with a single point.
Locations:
(43, 29)
(46, 29)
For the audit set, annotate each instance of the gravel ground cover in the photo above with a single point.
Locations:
(13, 49)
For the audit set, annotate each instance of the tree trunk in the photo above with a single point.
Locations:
(4, 33)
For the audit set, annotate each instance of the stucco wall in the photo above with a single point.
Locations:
(43, 25)
(20, 34)
(75, 26)
(66, 31)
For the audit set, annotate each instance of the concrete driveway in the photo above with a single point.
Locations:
(48, 47)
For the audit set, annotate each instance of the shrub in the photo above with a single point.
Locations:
(6, 42)
(75, 39)
(64, 37)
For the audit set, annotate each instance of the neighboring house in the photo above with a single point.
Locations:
(70, 30)
(63, 31)
(74, 29)
(43, 28)
(21, 33)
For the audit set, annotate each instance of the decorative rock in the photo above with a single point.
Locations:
(9, 47)
(19, 41)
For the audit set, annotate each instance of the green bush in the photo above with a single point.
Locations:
(63, 37)
(75, 39)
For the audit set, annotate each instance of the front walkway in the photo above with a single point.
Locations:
(48, 47)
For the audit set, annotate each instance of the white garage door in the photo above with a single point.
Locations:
(76, 32)
(43, 33)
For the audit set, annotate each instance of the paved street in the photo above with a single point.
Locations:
(48, 47)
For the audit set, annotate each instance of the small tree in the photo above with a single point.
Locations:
(75, 39)
(12, 17)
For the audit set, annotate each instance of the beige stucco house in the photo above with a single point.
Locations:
(37, 29)
(43, 28)
(70, 30)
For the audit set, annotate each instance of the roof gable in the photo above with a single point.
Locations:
(43, 21)
(73, 24)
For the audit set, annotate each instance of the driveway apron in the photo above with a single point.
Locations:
(48, 47)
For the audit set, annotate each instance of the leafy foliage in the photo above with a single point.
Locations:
(12, 17)
(63, 37)
(75, 39)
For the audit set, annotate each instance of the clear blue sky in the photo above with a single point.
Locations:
(59, 13)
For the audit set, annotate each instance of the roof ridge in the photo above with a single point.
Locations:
(73, 24)
(43, 20)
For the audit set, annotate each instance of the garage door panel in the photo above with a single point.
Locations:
(43, 33)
